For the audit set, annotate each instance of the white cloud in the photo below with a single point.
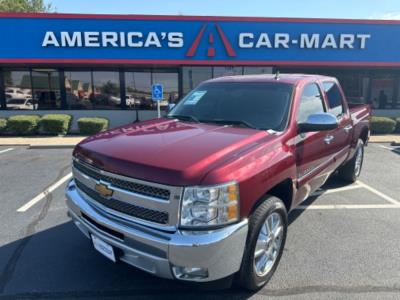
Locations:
(387, 16)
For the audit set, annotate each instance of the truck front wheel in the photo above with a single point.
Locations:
(265, 243)
(351, 170)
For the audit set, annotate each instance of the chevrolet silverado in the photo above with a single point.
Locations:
(204, 193)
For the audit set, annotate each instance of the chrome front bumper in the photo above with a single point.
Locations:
(219, 252)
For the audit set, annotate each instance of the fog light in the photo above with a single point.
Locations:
(190, 273)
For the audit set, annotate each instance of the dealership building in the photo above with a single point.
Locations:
(105, 65)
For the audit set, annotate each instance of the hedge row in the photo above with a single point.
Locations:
(92, 125)
(397, 129)
(51, 124)
(383, 125)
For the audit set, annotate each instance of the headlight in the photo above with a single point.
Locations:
(210, 206)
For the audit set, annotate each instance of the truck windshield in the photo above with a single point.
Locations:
(263, 105)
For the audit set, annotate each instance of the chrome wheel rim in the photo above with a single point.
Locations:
(358, 162)
(268, 244)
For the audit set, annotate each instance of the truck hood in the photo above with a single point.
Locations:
(167, 151)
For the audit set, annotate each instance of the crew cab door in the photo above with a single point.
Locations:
(340, 137)
(313, 159)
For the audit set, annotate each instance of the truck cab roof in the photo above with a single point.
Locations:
(294, 79)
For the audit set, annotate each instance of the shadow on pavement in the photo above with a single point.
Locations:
(61, 263)
(333, 182)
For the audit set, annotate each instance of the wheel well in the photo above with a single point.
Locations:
(364, 135)
(283, 191)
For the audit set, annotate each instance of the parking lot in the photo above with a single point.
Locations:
(342, 242)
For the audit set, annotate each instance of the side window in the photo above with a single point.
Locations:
(335, 99)
(310, 103)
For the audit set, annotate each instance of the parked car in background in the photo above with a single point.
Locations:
(20, 103)
(133, 102)
(204, 193)
(16, 93)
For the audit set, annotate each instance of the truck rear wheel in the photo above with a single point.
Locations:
(265, 243)
(352, 169)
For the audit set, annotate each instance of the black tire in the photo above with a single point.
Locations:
(247, 276)
(348, 172)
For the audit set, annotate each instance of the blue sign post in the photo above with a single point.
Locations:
(157, 91)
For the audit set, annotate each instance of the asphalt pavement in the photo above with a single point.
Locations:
(342, 243)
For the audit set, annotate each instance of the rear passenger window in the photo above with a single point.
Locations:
(335, 99)
(310, 103)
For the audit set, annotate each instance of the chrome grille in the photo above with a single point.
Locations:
(123, 184)
(126, 208)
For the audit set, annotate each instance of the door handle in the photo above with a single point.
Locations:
(348, 128)
(328, 139)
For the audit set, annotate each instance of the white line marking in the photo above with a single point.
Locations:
(336, 190)
(385, 147)
(347, 206)
(43, 194)
(397, 150)
(380, 194)
(6, 150)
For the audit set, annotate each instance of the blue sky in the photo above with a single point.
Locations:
(359, 9)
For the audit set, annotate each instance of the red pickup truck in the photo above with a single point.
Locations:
(204, 193)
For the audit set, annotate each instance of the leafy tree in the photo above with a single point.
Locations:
(31, 6)
(109, 88)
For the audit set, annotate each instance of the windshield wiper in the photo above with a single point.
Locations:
(231, 122)
(184, 117)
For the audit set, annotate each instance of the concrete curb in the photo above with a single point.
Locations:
(44, 146)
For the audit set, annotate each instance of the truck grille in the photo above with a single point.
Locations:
(123, 184)
(125, 208)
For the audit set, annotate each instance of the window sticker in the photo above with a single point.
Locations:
(195, 97)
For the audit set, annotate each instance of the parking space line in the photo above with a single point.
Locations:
(43, 194)
(385, 147)
(6, 150)
(336, 190)
(346, 206)
(394, 149)
(380, 194)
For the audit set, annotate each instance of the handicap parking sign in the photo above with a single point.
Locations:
(157, 92)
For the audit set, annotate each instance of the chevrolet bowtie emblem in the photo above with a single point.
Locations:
(104, 190)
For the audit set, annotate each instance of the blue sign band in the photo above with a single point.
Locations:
(196, 41)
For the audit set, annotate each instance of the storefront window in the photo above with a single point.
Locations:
(382, 92)
(106, 91)
(46, 88)
(78, 88)
(193, 76)
(170, 84)
(227, 71)
(257, 70)
(18, 90)
(138, 90)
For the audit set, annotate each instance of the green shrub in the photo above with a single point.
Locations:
(55, 124)
(3, 124)
(89, 126)
(382, 125)
(22, 124)
(397, 129)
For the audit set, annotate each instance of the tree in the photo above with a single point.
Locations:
(109, 88)
(32, 6)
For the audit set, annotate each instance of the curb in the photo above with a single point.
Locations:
(44, 146)
(14, 145)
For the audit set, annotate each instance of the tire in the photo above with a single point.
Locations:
(351, 170)
(249, 275)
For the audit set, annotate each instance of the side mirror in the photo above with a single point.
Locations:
(318, 122)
